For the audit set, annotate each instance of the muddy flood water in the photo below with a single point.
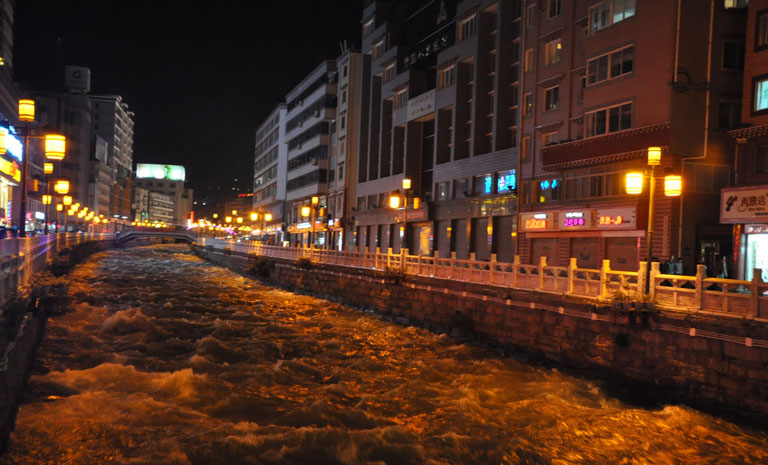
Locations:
(162, 358)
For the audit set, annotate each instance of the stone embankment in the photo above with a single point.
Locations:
(717, 364)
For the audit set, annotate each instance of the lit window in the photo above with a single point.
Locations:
(552, 98)
(761, 95)
(553, 48)
(506, 182)
(609, 12)
(527, 104)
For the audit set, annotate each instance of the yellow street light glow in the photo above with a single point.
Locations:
(654, 155)
(673, 185)
(406, 183)
(55, 146)
(71, 212)
(267, 216)
(26, 110)
(239, 219)
(315, 200)
(47, 199)
(61, 186)
(305, 211)
(67, 200)
(228, 219)
(48, 168)
(394, 201)
(254, 216)
(634, 183)
(215, 216)
(234, 212)
(416, 203)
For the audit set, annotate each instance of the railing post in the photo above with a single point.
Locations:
(515, 267)
(453, 264)
(754, 305)
(642, 276)
(652, 289)
(701, 274)
(389, 256)
(376, 252)
(435, 256)
(403, 255)
(571, 274)
(604, 270)
(491, 266)
(542, 265)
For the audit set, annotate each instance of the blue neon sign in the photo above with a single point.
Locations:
(507, 181)
(13, 145)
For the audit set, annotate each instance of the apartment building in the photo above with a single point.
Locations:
(270, 170)
(745, 207)
(442, 97)
(165, 181)
(603, 80)
(310, 112)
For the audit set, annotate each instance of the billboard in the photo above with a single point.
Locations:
(744, 204)
(152, 171)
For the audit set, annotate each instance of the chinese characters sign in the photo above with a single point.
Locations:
(744, 205)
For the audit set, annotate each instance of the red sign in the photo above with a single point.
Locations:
(617, 220)
(534, 223)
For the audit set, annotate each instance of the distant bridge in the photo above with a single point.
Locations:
(180, 234)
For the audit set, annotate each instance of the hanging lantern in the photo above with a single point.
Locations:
(394, 201)
(61, 186)
(654, 155)
(267, 217)
(48, 168)
(673, 185)
(59, 207)
(26, 110)
(305, 211)
(55, 146)
(47, 199)
(254, 216)
(634, 183)
(67, 200)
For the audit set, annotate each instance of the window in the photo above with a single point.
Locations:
(549, 138)
(525, 147)
(492, 62)
(761, 31)
(401, 98)
(530, 16)
(343, 122)
(446, 77)
(728, 115)
(344, 96)
(389, 73)
(555, 6)
(467, 28)
(552, 53)
(760, 91)
(378, 49)
(527, 104)
(611, 65)
(761, 159)
(443, 190)
(607, 120)
(733, 55)
(367, 28)
(552, 98)
(528, 60)
(483, 184)
(514, 52)
(609, 12)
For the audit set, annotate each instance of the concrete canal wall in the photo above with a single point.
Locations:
(715, 363)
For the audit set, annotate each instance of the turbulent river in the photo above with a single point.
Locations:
(162, 358)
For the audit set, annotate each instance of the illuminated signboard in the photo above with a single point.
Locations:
(152, 171)
(13, 145)
(616, 218)
(507, 182)
(574, 220)
(535, 221)
(11, 169)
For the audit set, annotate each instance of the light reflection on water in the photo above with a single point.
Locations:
(164, 359)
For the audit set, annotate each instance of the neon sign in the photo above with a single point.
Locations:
(608, 220)
(573, 219)
(539, 221)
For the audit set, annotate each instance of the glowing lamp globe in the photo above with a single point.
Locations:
(394, 201)
(268, 217)
(254, 216)
(315, 200)
(26, 110)
(55, 146)
(67, 200)
(48, 168)
(61, 186)
(304, 211)
(634, 183)
(673, 185)
(406, 183)
(654, 155)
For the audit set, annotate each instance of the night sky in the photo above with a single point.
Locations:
(199, 78)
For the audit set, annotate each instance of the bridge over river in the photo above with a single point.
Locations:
(162, 358)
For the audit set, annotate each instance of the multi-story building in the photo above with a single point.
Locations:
(342, 172)
(161, 208)
(745, 207)
(310, 111)
(10, 175)
(442, 96)
(269, 171)
(168, 180)
(601, 81)
(114, 122)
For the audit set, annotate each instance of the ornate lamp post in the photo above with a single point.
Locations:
(394, 203)
(634, 185)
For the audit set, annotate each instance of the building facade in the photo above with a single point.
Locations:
(601, 81)
(745, 206)
(310, 112)
(270, 170)
(168, 180)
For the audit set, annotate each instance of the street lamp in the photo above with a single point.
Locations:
(55, 149)
(394, 203)
(672, 188)
(315, 201)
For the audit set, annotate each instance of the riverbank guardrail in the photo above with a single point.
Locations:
(697, 294)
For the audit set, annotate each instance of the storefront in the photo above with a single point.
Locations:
(747, 209)
(589, 235)
(10, 177)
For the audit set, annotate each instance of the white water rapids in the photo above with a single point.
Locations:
(162, 358)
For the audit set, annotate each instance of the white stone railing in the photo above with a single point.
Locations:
(21, 257)
(688, 293)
